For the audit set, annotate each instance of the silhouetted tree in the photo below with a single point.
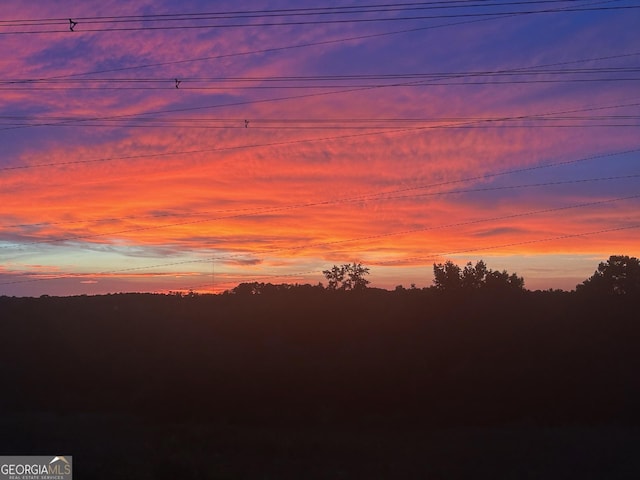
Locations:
(620, 275)
(356, 273)
(447, 276)
(502, 280)
(335, 276)
(248, 288)
(450, 277)
(347, 277)
(474, 277)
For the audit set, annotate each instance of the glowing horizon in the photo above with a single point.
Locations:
(119, 181)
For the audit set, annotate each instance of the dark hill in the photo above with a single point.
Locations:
(309, 361)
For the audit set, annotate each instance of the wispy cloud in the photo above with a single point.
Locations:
(134, 175)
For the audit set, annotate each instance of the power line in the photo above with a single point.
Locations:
(324, 78)
(272, 82)
(269, 100)
(302, 141)
(322, 22)
(489, 123)
(283, 122)
(327, 21)
(288, 47)
(343, 77)
(551, 122)
(285, 12)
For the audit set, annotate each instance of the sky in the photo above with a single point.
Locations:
(157, 146)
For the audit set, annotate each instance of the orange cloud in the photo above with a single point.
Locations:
(310, 180)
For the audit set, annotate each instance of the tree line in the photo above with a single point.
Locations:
(619, 275)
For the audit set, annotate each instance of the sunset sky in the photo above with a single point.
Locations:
(156, 146)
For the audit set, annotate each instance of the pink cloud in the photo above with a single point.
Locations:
(282, 192)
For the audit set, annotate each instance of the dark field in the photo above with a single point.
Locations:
(316, 384)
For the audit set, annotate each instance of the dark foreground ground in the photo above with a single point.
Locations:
(305, 384)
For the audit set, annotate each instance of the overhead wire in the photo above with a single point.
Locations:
(288, 47)
(585, 234)
(321, 139)
(364, 124)
(267, 100)
(322, 21)
(287, 12)
(517, 76)
(519, 71)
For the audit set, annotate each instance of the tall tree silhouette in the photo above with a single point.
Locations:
(347, 277)
(449, 277)
(620, 275)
